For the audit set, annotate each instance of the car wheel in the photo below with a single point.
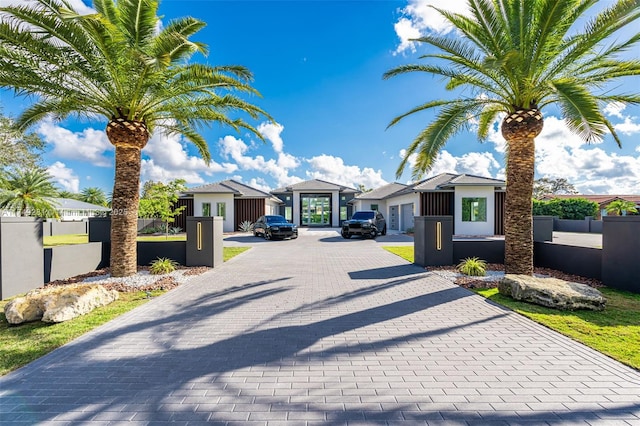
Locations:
(346, 235)
(384, 230)
(255, 234)
(373, 234)
(266, 235)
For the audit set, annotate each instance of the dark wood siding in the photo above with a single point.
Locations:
(181, 220)
(499, 213)
(436, 204)
(247, 209)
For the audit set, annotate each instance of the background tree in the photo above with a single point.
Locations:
(18, 150)
(621, 207)
(28, 192)
(94, 195)
(159, 201)
(63, 193)
(122, 65)
(515, 58)
(547, 186)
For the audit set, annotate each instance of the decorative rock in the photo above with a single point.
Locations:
(551, 292)
(59, 303)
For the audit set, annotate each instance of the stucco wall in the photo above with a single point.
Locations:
(198, 199)
(474, 228)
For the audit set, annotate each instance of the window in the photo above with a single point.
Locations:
(474, 209)
(374, 207)
(343, 213)
(221, 210)
(288, 213)
(206, 209)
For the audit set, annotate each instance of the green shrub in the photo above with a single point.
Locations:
(246, 226)
(175, 230)
(473, 266)
(565, 208)
(163, 265)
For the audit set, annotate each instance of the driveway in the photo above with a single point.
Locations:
(321, 330)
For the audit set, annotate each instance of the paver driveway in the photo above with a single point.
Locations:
(321, 330)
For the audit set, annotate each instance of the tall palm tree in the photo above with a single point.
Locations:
(121, 65)
(514, 58)
(94, 195)
(620, 207)
(28, 192)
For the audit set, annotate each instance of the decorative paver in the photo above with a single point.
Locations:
(321, 330)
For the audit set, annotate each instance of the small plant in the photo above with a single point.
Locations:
(175, 230)
(163, 265)
(246, 226)
(473, 266)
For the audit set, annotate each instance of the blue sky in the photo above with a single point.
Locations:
(319, 65)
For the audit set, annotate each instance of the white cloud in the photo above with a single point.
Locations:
(333, 169)
(614, 109)
(64, 176)
(473, 163)
(419, 17)
(236, 149)
(562, 154)
(628, 127)
(78, 5)
(271, 132)
(168, 159)
(88, 145)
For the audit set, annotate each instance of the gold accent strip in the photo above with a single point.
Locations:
(199, 235)
(438, 236)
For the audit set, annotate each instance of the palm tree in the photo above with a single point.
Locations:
(28, 193)
(94, 195)
(513, 58)
(620, 207)
(120, 64)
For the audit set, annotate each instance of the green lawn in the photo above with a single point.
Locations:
(63, 240)
(21, 344)
(614, 331)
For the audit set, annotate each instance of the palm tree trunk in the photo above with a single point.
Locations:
(518, 221)
(124, 212)
(129, 137)
(519, 130)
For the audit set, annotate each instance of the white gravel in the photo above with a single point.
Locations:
(141, 279)
(451, 276)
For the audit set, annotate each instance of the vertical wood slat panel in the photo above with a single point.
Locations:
(499, 213)
(436, 203)
(248, 209)
(181, 220)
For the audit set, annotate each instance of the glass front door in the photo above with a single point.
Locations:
(315, 210)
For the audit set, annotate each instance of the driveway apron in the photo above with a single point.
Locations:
(321, 330)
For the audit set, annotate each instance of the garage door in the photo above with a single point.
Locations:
(406, 210)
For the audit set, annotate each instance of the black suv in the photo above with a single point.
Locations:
(366, 223)
(274, 226)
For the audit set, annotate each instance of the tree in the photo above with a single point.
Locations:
(27, 192)
(511, 59)
(17, 148)
(120, 64)
(159, 201)
(70, 195)
(547, 186)
(94, 195)
(621, 207)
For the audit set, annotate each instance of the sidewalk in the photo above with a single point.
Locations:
(321, 330)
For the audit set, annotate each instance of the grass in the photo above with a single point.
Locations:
(21, 344)
(614, 331)
(63, 240)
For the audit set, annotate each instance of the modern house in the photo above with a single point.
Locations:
(475, 202)
(602, 200)
(234, 201)
(316, 203)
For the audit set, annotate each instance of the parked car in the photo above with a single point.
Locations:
(274, 227)
(368, 223)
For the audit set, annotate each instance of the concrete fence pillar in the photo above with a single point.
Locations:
(542, 228)
(433, 240)
(621, 252)
(21, 255)
(204, 241)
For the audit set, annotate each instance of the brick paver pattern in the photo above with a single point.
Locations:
(321, 330)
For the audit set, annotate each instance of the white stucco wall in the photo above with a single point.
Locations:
(198, 199)
(474, 228)
(271, 207)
